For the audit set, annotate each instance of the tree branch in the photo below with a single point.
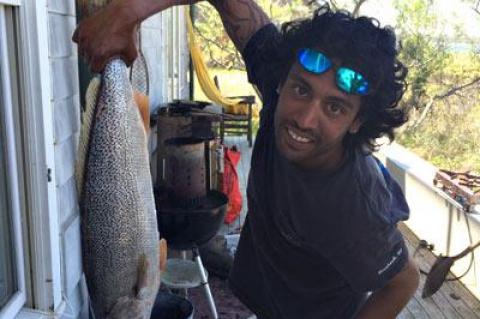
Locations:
(452, 91)
(217, 44)
(477, 7)
(356, 9)
(217, 62)
(334, 4)
(455, 89)
(424, 113)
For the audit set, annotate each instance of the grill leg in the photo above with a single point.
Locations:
(205, 284)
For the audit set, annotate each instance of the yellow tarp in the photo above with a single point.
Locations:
(206, 83)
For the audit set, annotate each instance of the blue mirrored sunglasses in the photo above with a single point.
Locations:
(348, 80)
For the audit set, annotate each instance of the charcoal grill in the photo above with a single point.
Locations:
(189, 209)
(185, 170)
(186, 228)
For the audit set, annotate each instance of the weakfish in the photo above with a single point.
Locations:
(120, 239)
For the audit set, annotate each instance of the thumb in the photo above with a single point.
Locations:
(130, 55)
(75, 36)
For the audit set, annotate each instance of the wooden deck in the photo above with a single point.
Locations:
(451, 302)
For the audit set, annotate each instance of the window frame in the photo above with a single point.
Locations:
(18, 299)
(40, 182)
(10, 2)
(41, 239)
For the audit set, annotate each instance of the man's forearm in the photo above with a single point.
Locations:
(388, 302)
(241, 19)
(143, 9)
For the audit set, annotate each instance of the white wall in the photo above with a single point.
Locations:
(66, 118)
(164, 44)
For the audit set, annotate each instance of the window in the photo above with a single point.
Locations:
(7, 275)
(12, 281)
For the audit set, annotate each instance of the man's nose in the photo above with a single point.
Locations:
(308, 116)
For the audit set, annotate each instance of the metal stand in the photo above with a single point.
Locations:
(185, 274)
(206, 286)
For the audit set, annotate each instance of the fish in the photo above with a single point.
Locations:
(120, 238)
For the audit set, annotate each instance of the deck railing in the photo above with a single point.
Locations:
(435, 217)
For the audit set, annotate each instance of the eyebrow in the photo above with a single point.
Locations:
(297, 77)
(341, 100)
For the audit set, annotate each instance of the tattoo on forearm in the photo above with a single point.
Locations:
(241, 18)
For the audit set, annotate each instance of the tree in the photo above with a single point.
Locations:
(351, 6)
(443, 81)
(219, 50)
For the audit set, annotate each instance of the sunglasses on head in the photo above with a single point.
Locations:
(348, 80)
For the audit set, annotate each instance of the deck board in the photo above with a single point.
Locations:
(453, 301)
(453, 294)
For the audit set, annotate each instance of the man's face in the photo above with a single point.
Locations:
(312, 117)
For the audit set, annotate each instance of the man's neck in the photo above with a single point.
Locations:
(328, 162)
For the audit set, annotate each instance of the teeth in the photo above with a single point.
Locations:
(298, 138)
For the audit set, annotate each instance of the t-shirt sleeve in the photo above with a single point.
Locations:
(365, 245)
(259, 53)
(368, 261)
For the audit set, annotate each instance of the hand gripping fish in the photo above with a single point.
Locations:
(120, 240)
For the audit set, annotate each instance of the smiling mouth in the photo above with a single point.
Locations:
(298, 138)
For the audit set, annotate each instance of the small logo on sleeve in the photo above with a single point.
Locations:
(391, 262)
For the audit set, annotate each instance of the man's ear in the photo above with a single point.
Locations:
(355, 126)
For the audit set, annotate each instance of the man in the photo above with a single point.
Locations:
(320, 239)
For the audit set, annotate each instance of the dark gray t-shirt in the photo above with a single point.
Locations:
(312, 245)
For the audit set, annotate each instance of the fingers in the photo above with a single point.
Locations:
(101, 55)
(75, 36)
(105, 35)
(96, 64)
(130, 54)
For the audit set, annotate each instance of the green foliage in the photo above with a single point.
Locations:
(423, 49)
(451, 140)
(443, 97)
(214, 41)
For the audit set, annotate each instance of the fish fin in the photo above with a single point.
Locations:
(140, 305)
(143, 104)
(129, 308)
(91, 98)
(143, 288)
(163, 254)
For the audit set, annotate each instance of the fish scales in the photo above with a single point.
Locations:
(119, 224)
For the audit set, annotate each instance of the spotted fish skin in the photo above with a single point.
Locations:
(119, 227)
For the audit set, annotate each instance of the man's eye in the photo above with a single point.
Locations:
(300, 90)
(335, 108)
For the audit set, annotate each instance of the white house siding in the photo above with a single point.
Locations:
(66, 119)
(168, 67)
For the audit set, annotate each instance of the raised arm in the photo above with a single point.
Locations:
(241, 19)
(112, 31)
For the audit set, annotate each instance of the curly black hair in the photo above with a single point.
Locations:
(363, 45)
